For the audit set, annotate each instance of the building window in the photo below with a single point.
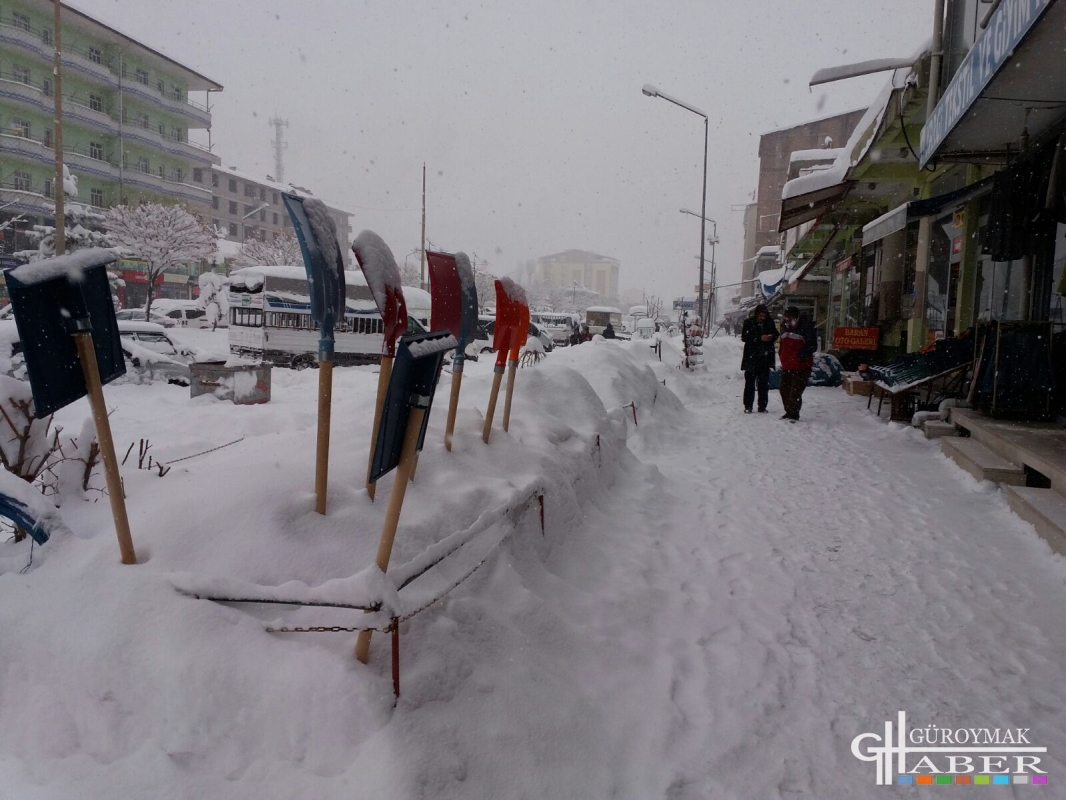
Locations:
(262, 193)
(96, 151)
(275, 221)
(179, 174)
(47, 138)
(233, 229)
(20, 21)
(22, 181)
(249, 190)
(142, 120)
(179, 135)
(249, 210)
(97, 57)
(97, 197)
(275, 200)
(141, 77)
(46, 35)
(232, 185)
(46, 87)
(214, 200)
(20, 127)
(96, 102)
(49, 188)
(162, 129)
(177, 93)
(214, 180)
(233, 206)
(143, 165)
(162, 87)
(262, 216)
(198, 176)
(20, 74)
(162, 172)
(216, 224)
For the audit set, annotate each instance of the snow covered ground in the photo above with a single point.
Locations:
(721, 602)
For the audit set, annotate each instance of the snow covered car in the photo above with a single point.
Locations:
(487, 326)
(151, 355)
(184, 313)
(137, 315)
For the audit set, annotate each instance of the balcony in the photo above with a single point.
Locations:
(77, 111)
(154, 139)
(185, 191)
(187, 108)
(29, 41)
(24, 147)
(17, 201)
(82, 163)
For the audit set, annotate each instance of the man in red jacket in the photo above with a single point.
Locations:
(798, 343)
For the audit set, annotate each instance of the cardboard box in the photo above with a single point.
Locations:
(853, 384)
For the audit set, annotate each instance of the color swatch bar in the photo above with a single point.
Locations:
(979, 780)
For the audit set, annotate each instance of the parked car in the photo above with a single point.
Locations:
(137, 315)
(487, 326)
(152, 355)
(188, 317)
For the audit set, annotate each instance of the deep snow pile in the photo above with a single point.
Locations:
(110, 677)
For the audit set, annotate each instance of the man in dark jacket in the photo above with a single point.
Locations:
(608, 331)
(798, 343)
(759, 334)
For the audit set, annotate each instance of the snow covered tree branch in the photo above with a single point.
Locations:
(162, 236)
(284, 251)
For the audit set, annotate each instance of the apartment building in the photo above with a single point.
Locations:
(246, 206)
(589, 270)
(127, 114)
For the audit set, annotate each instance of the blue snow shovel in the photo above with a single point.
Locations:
(317, 234)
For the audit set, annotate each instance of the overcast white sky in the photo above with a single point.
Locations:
(529, 116)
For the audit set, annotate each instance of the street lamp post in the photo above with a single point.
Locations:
(713, 241)
(651, 91)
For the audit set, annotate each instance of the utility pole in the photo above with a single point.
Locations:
(422, 268)
(280, 146)
(60, 211)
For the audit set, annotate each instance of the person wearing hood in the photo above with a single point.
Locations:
(759, 334)
(798, 343)
(608, 331)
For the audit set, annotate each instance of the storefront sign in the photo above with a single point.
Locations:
(1005, 31)
(958, 219)
(956, 245)
(845, 265)
(133, 276)
(855, 338)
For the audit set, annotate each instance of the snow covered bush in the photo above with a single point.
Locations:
(163, 237)
(28, 444)
(214, 297)
(283, 251)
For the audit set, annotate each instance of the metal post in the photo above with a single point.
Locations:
(703, 223)
(60, 211)
(422, 268)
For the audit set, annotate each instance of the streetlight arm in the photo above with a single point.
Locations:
(676, 102)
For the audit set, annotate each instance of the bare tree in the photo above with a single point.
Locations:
(163, 237)
(283, 251)
(411, 275)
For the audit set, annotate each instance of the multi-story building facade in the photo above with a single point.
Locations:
(245, 207)
(127, 114)
(775, 154)
(588, 270)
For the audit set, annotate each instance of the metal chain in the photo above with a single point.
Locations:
(205, 452)
(327, 629)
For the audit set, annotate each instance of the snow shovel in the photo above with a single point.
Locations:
(508, 316)
(383, 277)
(451, 281)
(317, 234)
(404, 419)
(517, 344)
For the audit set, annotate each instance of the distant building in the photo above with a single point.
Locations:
(589, 270)
(245, 206)
(775, 155)
(127, 113)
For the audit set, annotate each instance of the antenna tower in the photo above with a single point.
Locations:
(280, 146)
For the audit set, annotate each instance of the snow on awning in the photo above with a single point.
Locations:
(897, 219)
(799, 274)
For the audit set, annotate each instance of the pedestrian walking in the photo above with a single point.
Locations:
(608, 331)
(798, 343)
(759, 335)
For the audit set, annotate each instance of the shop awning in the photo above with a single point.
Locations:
(987, 106)
(897, 219)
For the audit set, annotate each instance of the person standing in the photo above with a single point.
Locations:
(798, 343)
(759, 334)
(608, 331)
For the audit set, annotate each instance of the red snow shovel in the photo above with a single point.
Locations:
(517, 344)
(449, 312)
(508, 318)
(383, 277)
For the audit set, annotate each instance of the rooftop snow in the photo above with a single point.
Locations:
(824, 154)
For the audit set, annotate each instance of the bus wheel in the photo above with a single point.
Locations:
(303, 362)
